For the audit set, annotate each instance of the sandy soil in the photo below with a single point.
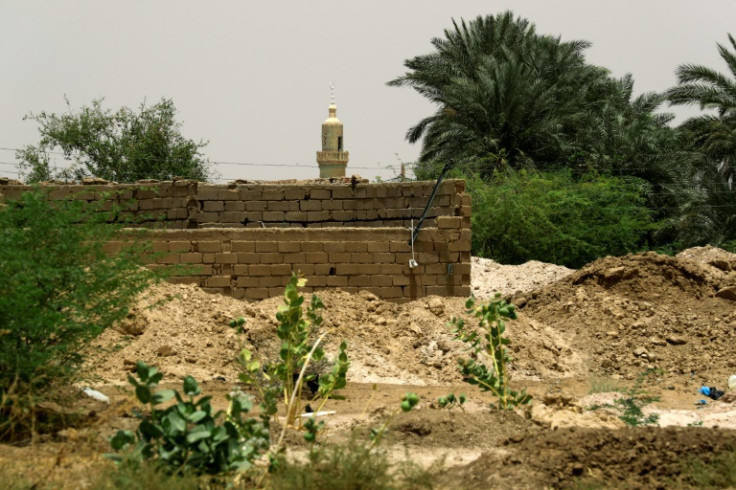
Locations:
(581, 338)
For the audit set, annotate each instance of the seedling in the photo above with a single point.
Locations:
(491, 346)
(449, 401)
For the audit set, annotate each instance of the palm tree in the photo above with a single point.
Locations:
(505, 94)
(712, 137)
(712, 133)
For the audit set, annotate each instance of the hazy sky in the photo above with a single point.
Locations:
(253, 77)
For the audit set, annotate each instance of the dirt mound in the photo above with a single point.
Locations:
(633, 457)
(624, 314)
(488, 277)
(184, 331)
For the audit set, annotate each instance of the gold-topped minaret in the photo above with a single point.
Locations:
(333, 159)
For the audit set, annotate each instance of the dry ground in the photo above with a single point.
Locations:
(581, 335)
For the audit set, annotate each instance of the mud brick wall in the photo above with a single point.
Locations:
(257, 263)
(189, 204)
(245, 240)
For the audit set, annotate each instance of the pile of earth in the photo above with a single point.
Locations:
(625, 314)
(616, 316)
(625, 458)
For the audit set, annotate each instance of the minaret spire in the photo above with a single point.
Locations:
(332, 160)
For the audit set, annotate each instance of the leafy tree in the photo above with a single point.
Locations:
(59, 291)
(554, 217)
(708, 210)
(122, 146)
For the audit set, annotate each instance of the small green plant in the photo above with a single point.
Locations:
(491, 345)
(288, 375)
(632, 402)
(408, 402)
(188, 434)
(450, 401)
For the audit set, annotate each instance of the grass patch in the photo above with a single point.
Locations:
(354, 465)
(604, 384)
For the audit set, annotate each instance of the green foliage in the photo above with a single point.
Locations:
(59, 290)
(408, 402)
(554, 217)
(634, 400)
(449, 401)
(123, 146)
(354, 465)
(188, 435)
(506, 95)
(492, 345)
(296, 330)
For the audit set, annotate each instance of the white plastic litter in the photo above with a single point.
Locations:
(732, 382)
(319, 414)
(96, 395)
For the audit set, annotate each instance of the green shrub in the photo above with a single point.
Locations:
(554, 217)
(59, 290)
(490, 345)
(189, 435)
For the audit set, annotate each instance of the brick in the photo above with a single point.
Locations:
(256, 293)
(284, 246)
(305, 269)
(356, 247)
(332, 205)
(274, 216)
(249, 258)
(280, 270)
(293, 257)
(318, 215)
(267, 246)
(256, 206)
(324, 269)
(259, 270)
(361, 258)
(395, 247)
(217, 282)
(316, 257)
(400, 280)
(320, 194)
(377, 247)
(312, 246)
(338, 215)
(272, 281)
(347, 269)
(311, 205)
(271, 258)
(388, 292)
(168, 259)
(295, 193)
(246, 282)
(243, 246)
(273, 193)
(208, 258)
(334, 247)
(232, 217)
(234, 206)
(381, 280)
(240, 269)
(173, 214)
(226, 258)
(342, 192)
(359, 281)
(384, 258)
(336, 281)
(180, 246)
(213, 206)
(190, 258)
(339, 257)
